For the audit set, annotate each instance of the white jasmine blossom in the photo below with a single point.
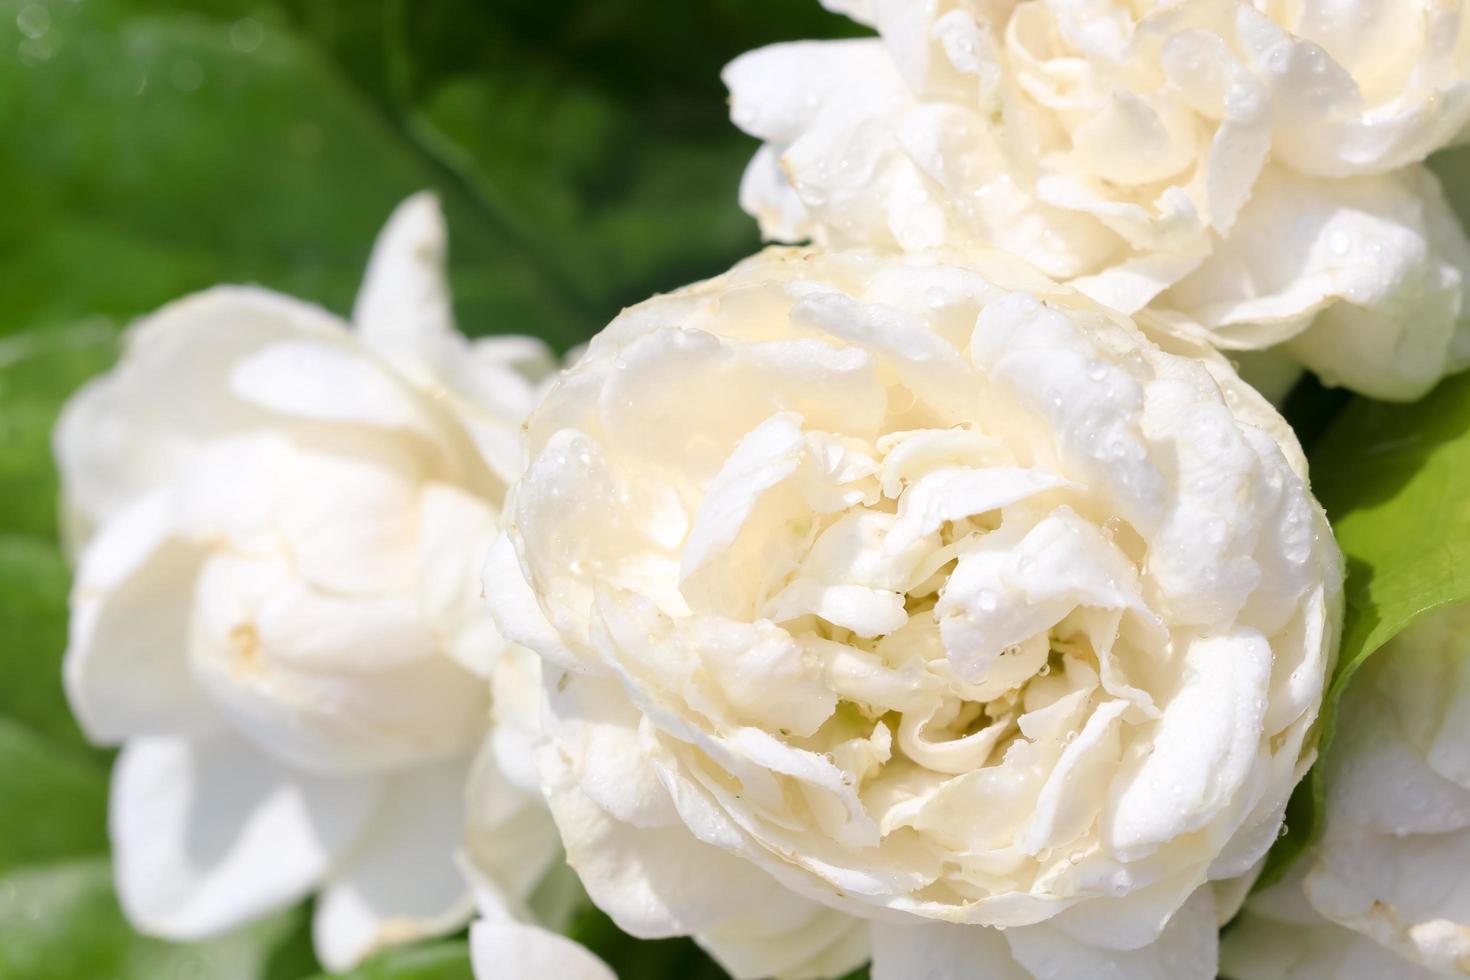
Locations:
(917, 609)
(277, 610)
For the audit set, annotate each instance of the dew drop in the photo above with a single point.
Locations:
(33, 20)
(246, 35)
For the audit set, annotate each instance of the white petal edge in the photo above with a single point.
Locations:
(515, 951)
(209, 834)
(126, 671)
(940, 951)
(1187, 949)
(401, 881)
(402, 308)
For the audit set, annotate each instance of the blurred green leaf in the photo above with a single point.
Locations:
(656, 959)
(62, 922)
(53, 785)
(1395, 480)
(292, 956)
(1310, 408)
(1452, 167)
(55, 800)
(582, 149)
(592, 132)
(429, 961)
(206, 146)
(39, 369)
(33, 584)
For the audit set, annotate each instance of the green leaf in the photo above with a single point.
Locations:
(657, 959)
(55, 800)
(1310, 409)
(594, 133)
(33, 585)
(1395, 480)
(292, 956)
(429, 961)
(582, 151)
(205, 146)
(1452, 167)
(39, 369)
(62, 922)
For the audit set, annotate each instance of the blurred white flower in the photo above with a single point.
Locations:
(887, 599)
(1251, 171)
(277, 609)
(518, 951)
(1384, 893)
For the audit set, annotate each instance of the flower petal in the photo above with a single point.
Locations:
(209, 834)
(1206, 745)
(328, 382)
(515, 608)
(1185, 950)
(126, 667)
(328, 682)
(515, 951)
(510, 843)
(127, 431)
(400, 882)
(402, 309)
(908, 950)
(455, 530)
(1366, 280)
(655, 881)
(788, 937)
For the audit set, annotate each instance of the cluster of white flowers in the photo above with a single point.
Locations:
(936, 595)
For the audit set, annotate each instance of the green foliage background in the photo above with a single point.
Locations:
(581, 148)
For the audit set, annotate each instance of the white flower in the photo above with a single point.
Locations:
(1384, 892)
(1253, 172)
(277, 610)
(892, 599)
